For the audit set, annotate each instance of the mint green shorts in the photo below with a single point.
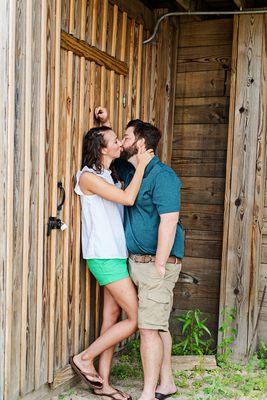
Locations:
(108, 270)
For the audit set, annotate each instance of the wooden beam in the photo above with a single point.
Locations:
(9, 68)
(136, 10)
(26, 205)
(91, 53)
(186, 4)
(245, 180)
(192, 5)
(53, 182)
(240, 3)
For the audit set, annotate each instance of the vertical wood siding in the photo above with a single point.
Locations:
(52, 303)
(246, 172)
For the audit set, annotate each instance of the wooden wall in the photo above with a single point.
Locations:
(262, 274)
(199, 158)
(50, 92)
(6, 109)
(242, 281)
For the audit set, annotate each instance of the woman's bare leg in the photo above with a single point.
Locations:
(111, 314)
(124, 294)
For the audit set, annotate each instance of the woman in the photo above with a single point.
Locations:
(104, 248)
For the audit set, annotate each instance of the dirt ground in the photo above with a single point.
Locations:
(81, 392)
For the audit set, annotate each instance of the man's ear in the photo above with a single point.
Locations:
(141, 143)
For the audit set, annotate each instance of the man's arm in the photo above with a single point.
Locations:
(167, 199)
(166, 236)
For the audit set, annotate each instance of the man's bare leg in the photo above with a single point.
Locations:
(151, 354)
(166, 384)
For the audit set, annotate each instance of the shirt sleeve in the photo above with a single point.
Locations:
(123, 167)
(167, 192)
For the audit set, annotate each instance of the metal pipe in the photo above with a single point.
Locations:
(189, 13)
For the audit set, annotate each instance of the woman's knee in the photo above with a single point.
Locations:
(132, 314)
(134, 323)
(111, 316)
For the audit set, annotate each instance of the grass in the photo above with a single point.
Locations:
(229, 381)
(128, 363)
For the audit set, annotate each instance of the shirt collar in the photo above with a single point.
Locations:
(155, 160)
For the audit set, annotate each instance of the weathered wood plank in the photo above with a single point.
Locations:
(240, 255)
(104, 49)
(204, 58)
(202, 110)
(189, 363)
(130, 75)
(146, 78)
(91, 53)
(206, 33)
(41, 194)
(203, 190)
(27, 342)
(7, 80)
(112, 73)
(54, 194)
(203, 297)
(164, 112)
(12, 375)
(79, 272)
(202, 84)
(200, 136)
(199, 167)
(203, 244)
(87, 273)
(122, 83)
(220, 155)
(139, 70)
(93, 65)
(202, 219)
(256, 286)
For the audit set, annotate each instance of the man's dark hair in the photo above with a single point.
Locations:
(147, 131)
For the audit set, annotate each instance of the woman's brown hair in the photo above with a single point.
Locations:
(93, 142)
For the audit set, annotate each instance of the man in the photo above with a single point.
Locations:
(155, 241)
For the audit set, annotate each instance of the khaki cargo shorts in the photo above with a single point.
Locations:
(155, 293)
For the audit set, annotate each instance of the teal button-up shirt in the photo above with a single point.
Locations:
(159, 194)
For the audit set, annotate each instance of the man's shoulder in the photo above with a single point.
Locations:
(164, 171)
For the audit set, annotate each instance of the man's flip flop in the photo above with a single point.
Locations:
(161, 396)
(92, 384)
(113, 395)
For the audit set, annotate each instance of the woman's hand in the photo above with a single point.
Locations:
(101, 115)
(144, 156)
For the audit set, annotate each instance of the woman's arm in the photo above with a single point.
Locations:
(93, 184)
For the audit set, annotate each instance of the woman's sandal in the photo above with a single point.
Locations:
(92, 384)
(112, 395)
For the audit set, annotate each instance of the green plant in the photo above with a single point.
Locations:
(128, 363)
(262, 355)
(193, 330)
(228, 335)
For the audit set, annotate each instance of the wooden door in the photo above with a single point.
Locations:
(89, 69)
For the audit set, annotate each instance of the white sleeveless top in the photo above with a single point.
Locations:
(102, 222)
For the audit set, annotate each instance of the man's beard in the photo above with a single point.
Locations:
(130, 152)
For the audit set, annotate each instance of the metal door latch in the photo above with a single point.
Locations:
(55, 223)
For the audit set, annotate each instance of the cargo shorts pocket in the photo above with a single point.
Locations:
(156, 308)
